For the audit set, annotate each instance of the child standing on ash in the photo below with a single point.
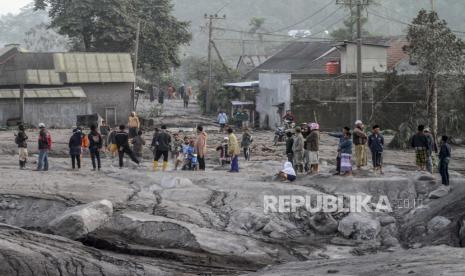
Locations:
(376, 145)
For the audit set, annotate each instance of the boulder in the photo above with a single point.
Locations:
(437, 224)
(359, 226)
(323, 223)
(78, 221)
(440, 192)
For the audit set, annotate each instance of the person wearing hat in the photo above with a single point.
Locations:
(44, 145)
(298, 149)
(360, 140)
(432, 149)
(21, 141)
(313, 145)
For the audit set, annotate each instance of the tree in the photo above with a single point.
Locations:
(110, 26)
(349, 31)
(438, 52)
(40, 38)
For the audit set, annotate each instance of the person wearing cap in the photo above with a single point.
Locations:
(233, 150)
(376, 145)
(313, 145)
(298, 149)
(44, 145)
(360, 140)
(420, 143)
(21, 141)
(432, 150)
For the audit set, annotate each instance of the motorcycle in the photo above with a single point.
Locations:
(279, 135)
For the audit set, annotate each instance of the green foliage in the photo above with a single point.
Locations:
(196, 70)
(256, 23)
(40, 38)
(349, 31)
(110, 26)
(433, 46)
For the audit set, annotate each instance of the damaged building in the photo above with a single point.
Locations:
(60, 86)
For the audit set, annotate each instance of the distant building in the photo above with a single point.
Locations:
(60, 86)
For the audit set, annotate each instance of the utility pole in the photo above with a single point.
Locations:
(21, 103)
(433, 6)
(209, 95)
(136, 56)
(359, 94)
(359, 108)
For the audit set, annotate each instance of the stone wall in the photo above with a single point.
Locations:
(387, 101)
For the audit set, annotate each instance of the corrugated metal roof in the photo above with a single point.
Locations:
(64, 92)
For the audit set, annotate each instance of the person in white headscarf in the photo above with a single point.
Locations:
(288, 172)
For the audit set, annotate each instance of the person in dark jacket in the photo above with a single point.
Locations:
(289, 146)
(21, 141)
(122, 143)
(44, 145)
(162, 142)
(444, 158)
(74, 144)
(376, 145)
(138, 144)
(421, 145)
(95, 146)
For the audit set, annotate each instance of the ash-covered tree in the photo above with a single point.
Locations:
(437, 51)
(349, 31)
(110, 26)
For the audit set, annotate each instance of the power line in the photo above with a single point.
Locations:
(304, 19)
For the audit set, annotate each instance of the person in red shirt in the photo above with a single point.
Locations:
(45, 145)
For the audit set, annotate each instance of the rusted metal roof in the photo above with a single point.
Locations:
(63, 92)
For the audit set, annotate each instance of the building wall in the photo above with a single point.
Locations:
(110, 95)
(374, 58)
(332, 102)
(59, 113)
(274, 89)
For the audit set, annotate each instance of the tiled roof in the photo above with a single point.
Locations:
(63, 92)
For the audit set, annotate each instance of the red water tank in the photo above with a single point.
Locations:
(333, 67)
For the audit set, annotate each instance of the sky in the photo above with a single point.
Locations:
(12, 6)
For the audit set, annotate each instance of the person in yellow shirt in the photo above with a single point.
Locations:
(233, 150)
(133, 124)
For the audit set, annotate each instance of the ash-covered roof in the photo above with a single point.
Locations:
(18, 67)
(62, 92)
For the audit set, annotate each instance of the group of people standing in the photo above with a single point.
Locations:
(182, 93)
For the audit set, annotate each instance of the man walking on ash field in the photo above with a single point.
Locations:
(201, 147)
(122, 142)
(162, 142)
(234, 150)
(360, 140)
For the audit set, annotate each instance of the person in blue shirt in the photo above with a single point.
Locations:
(444, 158)
(376, 145)
(341, 136)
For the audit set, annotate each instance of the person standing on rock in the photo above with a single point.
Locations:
(75, 148)
(444, 158)
(360, 140)
(313, 145)
(122, 143)
(162, 142)
(234, 151)
(432, 150)
(247, 140)
(95, 147)
(21, 141)
(45, 145)
(298, 150)
(133, 124)
(222, 120)
(201, 147)
(376, 145)
(420, 143)
(289, 147)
